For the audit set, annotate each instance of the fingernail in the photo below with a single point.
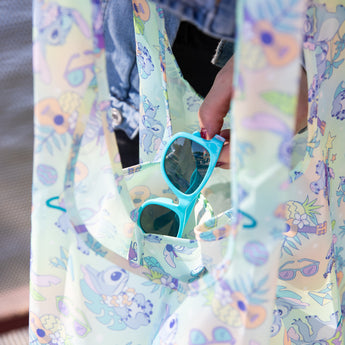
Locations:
(219, 164)
(203, 133)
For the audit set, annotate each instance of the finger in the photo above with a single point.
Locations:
(224, 157)
(225, 133)
(213, 110)
(217, 102)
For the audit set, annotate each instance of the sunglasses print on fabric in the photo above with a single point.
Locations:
(220, 335)
(76, 76)
(76, 318)
(307, 271)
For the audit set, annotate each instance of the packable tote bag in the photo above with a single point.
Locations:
(262, 266)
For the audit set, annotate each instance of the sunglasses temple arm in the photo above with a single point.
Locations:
(188, 211)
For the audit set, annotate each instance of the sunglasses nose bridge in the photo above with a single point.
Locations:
(183, 202)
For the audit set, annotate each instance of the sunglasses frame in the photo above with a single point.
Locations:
(299, 269)
(186, 202)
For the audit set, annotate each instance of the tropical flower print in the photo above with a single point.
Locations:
(49, 113)
(300, 220)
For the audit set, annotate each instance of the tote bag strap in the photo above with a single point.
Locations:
(267, 52)
(168, 104)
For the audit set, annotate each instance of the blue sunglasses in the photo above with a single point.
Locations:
(187, 164)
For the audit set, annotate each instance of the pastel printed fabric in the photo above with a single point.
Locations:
(264, 266)
(310, 292)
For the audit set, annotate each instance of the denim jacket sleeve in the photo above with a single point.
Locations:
(214, 17)
(224, 52)
(121, 62)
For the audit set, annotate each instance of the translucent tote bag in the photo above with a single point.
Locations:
(262, 266)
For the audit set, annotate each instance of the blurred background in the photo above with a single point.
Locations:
(193, 51)
(16, 141)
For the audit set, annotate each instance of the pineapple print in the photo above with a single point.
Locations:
(301, 217)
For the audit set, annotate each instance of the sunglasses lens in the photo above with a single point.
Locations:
(156, 219)
(286, 274)
(186, 164)
(309, 270)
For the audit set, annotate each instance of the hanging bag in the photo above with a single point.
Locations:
(95, 277)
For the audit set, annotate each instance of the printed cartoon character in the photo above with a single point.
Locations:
(153, 238)
(109, 282)
(321, 31)
(285, 302)
(168, 330)
(141, 9)
(153, 131)
(324, 171)
(144, 60)
(313, 330)
(319, 34)
(313, 93)
(330, 257)
(341, 190)
(133, 309)
(338, 110)
(233, 308)
(321, 170)
(276, 324)
(328, 23)
(54, 25)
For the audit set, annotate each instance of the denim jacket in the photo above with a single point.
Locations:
(121, 62)
(214, 17)
(215, 20)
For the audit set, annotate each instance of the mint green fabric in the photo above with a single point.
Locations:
(261, 262)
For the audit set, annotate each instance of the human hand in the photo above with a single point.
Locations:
(217, 103)
(215, 107)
